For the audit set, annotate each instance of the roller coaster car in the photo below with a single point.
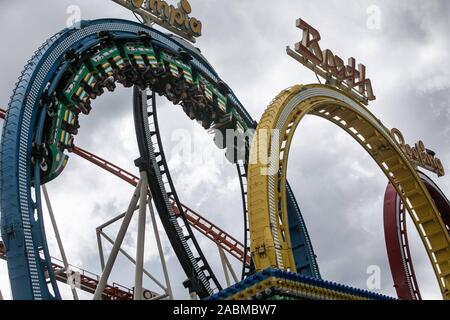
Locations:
(224, 122)
(86, 78)
(205, 120)
(217, 101)
(56, 162)
(185, 56)
(210, 104)
(60, 130)
(64, 125)
(109, 84)
(196, 106)
(73, 93)
(93, 89)
(195, 112)
(231, 121)
(108, 63)
(111, 63)
(179, 82)
(223, 88)
(196, 94)
(73, 59)
(189, 108)
(144, 59)
(106, 39)
(146, 68)
(51, 102)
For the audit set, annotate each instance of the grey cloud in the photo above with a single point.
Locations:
(339, 188)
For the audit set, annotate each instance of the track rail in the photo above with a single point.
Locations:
(247, 268)
(397, 246)
(201, 278)
(88, 280)
(396, 237)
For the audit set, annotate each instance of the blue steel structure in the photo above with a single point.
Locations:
(22, 225)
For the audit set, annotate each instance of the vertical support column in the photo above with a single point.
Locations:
(126, 255)
(59, 241)
(161, 252)
(117, 244)
(224, 266)
(140, 247)
(230, 268)
(100, 250)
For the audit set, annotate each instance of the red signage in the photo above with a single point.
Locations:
(330, 66)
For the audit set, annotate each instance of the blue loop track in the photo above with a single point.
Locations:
(22, 226)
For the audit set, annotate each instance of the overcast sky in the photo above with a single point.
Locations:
(339, 188)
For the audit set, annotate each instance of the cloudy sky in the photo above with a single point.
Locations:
(339, 188)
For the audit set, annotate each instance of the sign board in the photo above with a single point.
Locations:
(419, 155)
(330, 66)
(175, 19)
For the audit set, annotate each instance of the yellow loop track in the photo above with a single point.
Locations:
(270, 239)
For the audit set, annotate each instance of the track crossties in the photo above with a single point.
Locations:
(267, 179)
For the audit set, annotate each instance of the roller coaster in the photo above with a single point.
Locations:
(77, 65)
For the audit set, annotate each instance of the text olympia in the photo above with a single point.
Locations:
(177, 17)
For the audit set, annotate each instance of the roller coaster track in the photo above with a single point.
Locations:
(267, 192)
(396, 237)
(179, 232)
(22, 224)
(201, 224)
(16, 218)
(395, 227)
(247, 268)
(22, 144)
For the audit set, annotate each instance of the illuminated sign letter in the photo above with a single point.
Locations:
(174, 18)
(309, 47)
(330, 66)
(418, 155)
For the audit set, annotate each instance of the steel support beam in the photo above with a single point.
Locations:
(161, 252)
(126, 255)
(59, 241)
(117, 244)
(140, 247)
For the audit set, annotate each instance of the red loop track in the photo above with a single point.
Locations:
(396, 237)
